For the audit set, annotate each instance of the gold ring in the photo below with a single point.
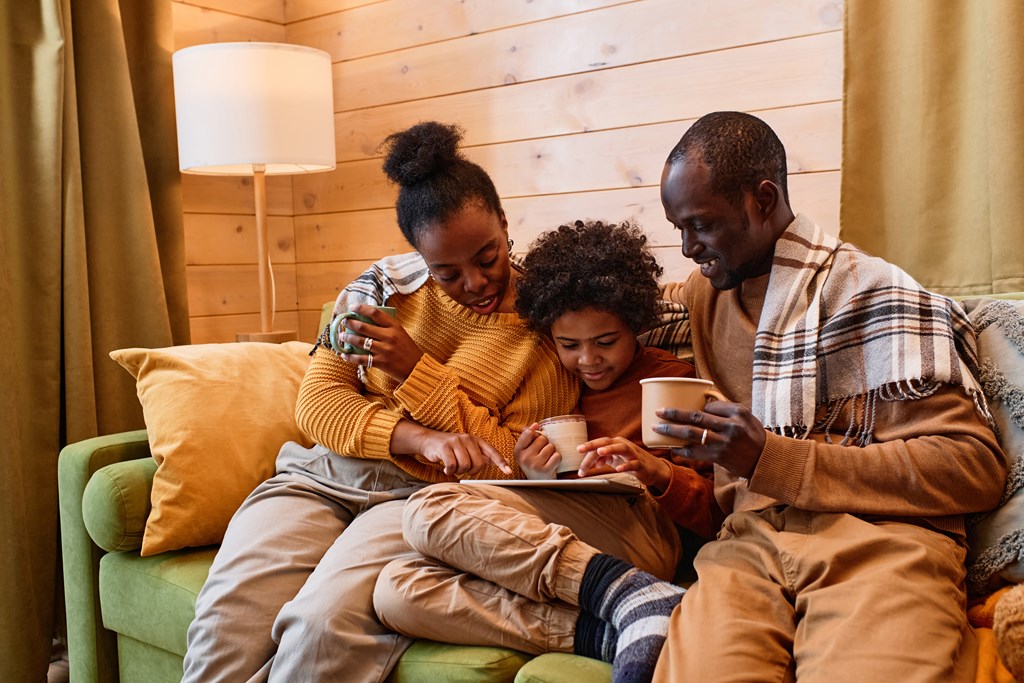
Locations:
(367, 343)
(704, 437)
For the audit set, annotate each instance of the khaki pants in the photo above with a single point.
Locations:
(786, 594)
(502, 566)
(289, 597)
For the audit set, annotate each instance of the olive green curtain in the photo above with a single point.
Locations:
(933, 139)
(91, 259)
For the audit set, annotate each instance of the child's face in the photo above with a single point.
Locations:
(594, 345)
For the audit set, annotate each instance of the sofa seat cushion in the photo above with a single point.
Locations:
(153, 599)
(426, 660)
(555, 667)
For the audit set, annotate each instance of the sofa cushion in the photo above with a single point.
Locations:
(216, 416)
(153, 599)
(996, 539)
(115, 504)
(555, 667)
(429, 661)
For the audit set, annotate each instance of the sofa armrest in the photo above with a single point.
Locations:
(116, 504)
(92, 650)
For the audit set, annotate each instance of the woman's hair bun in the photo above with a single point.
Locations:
(414, 154)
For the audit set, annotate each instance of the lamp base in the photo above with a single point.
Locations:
(275, 337)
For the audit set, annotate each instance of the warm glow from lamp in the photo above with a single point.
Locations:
(255, 109)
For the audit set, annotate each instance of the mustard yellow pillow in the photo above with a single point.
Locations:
(217, 415)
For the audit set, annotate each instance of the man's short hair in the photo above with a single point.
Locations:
(739, 150)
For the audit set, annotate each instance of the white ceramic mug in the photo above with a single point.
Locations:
(682, 393)
(566, 432)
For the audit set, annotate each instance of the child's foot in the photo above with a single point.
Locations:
(637, 605)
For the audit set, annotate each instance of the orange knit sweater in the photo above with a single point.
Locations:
(483, 375)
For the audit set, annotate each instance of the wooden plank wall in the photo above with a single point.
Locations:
(571, 105)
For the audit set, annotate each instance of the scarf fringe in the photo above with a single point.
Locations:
(863, 412)
(792, 431)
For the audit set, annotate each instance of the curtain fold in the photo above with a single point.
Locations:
(933, 139)
(91, 259)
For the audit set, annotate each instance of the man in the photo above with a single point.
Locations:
(856, 441)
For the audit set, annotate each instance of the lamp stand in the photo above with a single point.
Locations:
(266, 333)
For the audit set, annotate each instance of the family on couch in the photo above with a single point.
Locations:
(854, 442)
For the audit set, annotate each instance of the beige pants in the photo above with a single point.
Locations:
(505, 564)
(786, 594)
(289, 597)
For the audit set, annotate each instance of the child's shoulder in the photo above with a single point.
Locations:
(660, 363)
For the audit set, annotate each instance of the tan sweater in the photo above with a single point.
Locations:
(483, 375)
(934, 459)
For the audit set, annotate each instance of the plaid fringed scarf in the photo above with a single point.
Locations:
(840, 326)
(671, 332)
(401, 274)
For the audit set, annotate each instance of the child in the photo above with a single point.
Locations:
(593, 287)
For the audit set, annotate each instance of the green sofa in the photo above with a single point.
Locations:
(128, 615)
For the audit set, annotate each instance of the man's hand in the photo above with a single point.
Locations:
(536, 455)
(734, 438)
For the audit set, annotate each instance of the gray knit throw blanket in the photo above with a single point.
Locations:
(840, 326)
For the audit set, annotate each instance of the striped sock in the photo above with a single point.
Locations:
(637, 605)
(595, 638)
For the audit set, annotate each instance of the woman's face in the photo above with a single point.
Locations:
(468, 257)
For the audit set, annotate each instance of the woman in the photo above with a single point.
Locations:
(290, 592)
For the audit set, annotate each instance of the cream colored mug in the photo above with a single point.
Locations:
(566, 432)
(682, 393)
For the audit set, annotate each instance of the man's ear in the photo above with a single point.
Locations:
(768, 195)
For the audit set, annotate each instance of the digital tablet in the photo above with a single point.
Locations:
(590, 484)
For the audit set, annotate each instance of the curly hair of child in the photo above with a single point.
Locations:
(589, 264)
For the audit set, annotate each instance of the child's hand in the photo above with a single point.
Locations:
(623, 455)
(535, 455)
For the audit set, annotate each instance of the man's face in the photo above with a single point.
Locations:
(729, 243)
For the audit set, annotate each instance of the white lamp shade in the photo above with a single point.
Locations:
(240, 104)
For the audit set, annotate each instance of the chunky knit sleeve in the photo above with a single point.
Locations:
(434, 396)
(332, 410)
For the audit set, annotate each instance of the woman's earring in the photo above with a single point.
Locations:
(510, 243)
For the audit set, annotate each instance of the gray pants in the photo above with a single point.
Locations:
(290, 593)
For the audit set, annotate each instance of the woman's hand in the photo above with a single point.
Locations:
(457, 453)
(724, 433)
(536, 455)
(622, 455)
(391, 348)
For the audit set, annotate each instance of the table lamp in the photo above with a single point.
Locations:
(255, 109)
